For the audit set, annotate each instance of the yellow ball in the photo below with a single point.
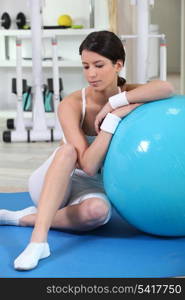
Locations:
(65, 20)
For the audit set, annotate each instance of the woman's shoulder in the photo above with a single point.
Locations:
(74, 99)
(70, 107)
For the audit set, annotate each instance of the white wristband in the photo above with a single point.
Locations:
(118, 100)
(110, 123)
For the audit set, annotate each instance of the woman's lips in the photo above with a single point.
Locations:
(94, 83)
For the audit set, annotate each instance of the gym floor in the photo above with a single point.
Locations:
(18, 160)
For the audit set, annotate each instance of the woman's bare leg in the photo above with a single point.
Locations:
(53, 193)
(90, 214)
(81, 217)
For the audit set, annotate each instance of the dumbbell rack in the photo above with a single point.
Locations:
(39, 129)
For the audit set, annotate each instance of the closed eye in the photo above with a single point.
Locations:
(99, 66)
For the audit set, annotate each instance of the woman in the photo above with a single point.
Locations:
(67, 189)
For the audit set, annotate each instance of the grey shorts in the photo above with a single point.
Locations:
(85, 187)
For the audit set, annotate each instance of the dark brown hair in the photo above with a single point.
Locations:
(107, 44)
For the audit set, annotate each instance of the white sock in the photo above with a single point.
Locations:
(9, 217)
(29, 258)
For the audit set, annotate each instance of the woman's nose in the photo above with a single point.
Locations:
(92, 72)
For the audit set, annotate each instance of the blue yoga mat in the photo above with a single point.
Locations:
(116, 250)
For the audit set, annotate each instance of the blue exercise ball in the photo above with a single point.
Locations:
(144, 169)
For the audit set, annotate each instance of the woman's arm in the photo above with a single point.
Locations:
(95, 153)
(90, 157)
(154, 90)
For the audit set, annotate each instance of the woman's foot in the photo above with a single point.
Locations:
(31, 255)
(9, 217)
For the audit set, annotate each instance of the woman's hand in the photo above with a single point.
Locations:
(101, 115)
(120, 112)
(125, 110)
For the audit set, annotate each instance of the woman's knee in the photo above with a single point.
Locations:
(95, 210)
(35, 183)
(36, 179)
(66, 152)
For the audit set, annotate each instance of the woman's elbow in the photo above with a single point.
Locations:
(87, 166)
(89, 171)
(168, 88)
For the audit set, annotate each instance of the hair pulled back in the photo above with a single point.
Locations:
(107, 44)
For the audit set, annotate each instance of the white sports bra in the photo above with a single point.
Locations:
(90, 138)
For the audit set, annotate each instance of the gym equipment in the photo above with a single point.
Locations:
(20, 21)
(5, 20)
(143, 17)
(144, 170)
(11, 122)
(162, 53)
(27, 101)
(76, 26)
(26, 94)
(38, 128)
(20, 133)
(65, 21)
(49, 93)
(117, 250)
(23, 23)
(57, 132)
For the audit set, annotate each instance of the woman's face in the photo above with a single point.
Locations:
(99, 71)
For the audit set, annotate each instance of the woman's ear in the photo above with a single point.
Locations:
(119, 65)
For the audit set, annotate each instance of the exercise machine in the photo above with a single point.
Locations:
(38, 128)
